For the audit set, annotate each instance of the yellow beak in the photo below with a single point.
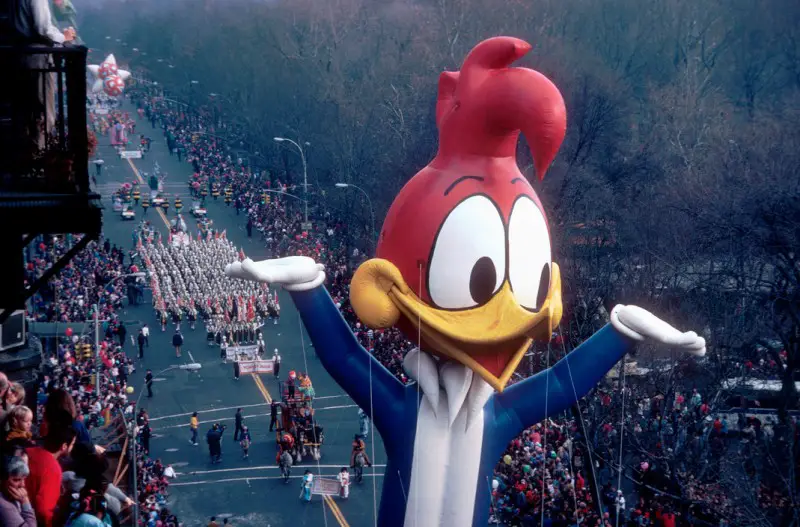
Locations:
(490, 339)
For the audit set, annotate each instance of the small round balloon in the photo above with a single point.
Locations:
(68, 332)
(108, 69)
(113, 86)
(129, 390)
(507, 459)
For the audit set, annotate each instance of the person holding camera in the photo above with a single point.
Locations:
(214, 439)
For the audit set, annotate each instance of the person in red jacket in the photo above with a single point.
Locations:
(44, 482)
(668, 519)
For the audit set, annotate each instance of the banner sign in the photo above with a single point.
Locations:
(325, 487)
(232, 351)
(255, 366)
(101, 111)
(131, 154)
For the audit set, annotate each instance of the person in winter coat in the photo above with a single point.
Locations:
(122, 332)
(15, 505)
(140, 339)
(273, 414)
(177, 341)
(214, 440)
(239, 421)
(244, 442)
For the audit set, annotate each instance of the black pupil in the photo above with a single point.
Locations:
(482, 280)
(544, 286)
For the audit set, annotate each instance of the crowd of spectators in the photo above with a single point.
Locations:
(673, 452)
(88, 279)
(61, 471)
(58, 472)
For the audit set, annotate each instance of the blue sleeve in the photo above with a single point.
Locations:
(347, 362)
(81, 433)
(556, 389)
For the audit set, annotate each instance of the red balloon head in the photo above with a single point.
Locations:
(464, 257)
(68, 332)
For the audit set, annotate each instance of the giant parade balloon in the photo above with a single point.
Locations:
(464, 267)
(108, 77)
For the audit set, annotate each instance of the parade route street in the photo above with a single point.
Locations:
(248, 491)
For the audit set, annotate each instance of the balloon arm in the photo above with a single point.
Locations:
(348, 362)
(556, 389)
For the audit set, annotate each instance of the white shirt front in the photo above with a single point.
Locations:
(448, 442)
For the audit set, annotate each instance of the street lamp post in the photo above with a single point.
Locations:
(371, 209)
(270, 191)
(305, 169)
(192, 366)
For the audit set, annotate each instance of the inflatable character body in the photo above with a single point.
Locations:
(463, 261)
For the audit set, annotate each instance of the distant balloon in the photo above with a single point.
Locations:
(108, 77)
(113, 86)
(68, 332)
(107, 69)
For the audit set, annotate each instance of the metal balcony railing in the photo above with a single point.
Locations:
(44, 145)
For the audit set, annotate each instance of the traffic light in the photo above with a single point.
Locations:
(86, 351)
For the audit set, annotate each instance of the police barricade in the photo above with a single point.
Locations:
(325, 487)
(255, 366)
(236, 351)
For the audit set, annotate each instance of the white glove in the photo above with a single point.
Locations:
(640, 324)
(294, 273)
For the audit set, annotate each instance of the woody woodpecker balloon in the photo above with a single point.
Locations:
(464, 267)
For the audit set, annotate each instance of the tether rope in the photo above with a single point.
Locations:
(544, 428)
(580, 414)
(621, 438)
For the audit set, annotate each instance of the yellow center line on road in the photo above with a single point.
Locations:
(141, 182)
(337, 512)
(261, 387)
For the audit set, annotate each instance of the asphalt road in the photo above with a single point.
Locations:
(248, 492)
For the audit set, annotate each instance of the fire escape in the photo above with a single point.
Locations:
(44, 151)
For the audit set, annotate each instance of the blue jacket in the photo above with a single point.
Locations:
(506, 414)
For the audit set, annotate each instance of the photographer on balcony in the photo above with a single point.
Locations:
(31, 25)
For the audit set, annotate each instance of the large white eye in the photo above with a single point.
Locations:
(468, 263)
(529, 254)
